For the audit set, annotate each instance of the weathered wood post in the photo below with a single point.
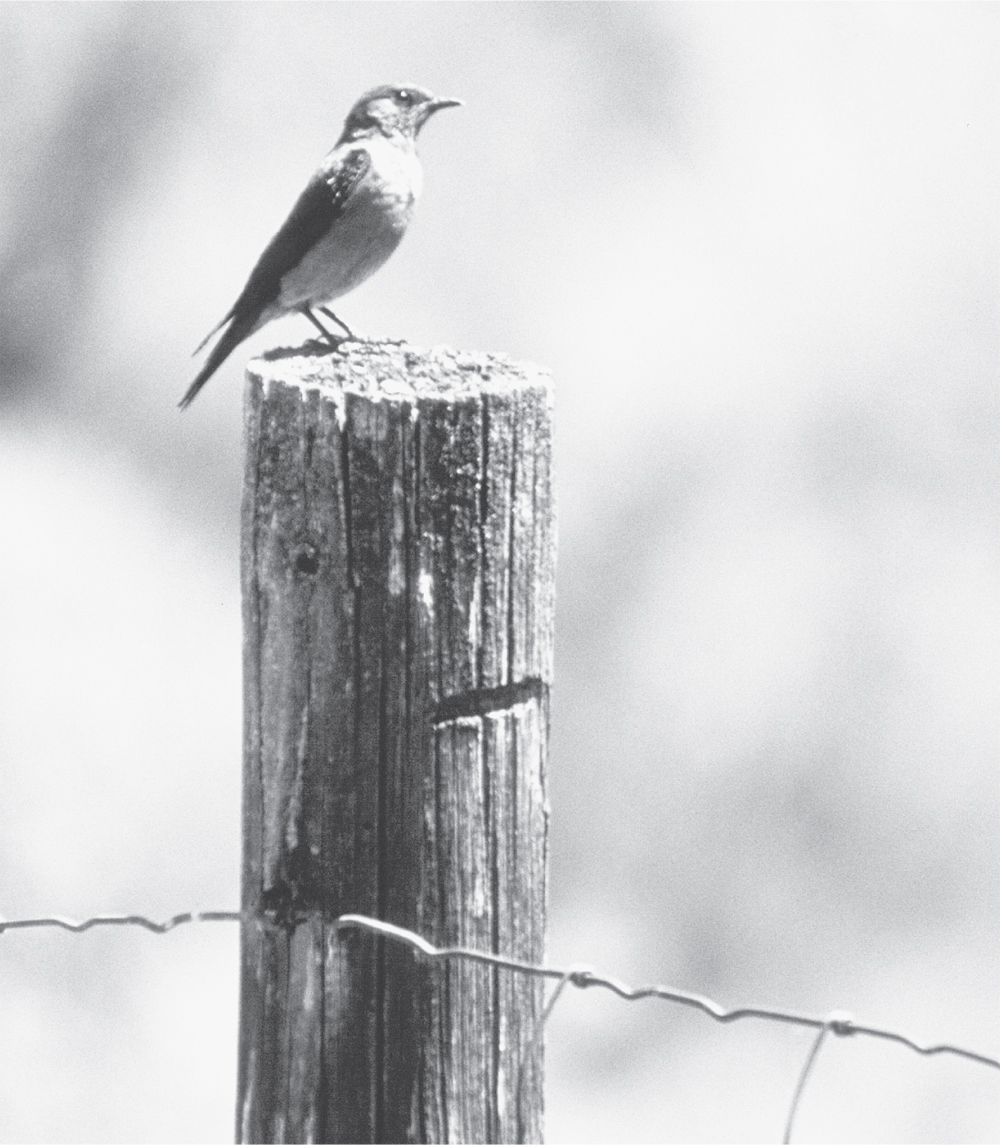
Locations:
(398, 565)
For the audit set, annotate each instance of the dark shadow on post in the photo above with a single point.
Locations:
(398, 573)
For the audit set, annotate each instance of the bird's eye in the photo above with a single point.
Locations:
(404, 96)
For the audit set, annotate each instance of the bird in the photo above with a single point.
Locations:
(345, 224)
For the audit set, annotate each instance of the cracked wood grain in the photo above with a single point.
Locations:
(398, 589)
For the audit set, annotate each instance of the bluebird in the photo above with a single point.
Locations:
(346, 223)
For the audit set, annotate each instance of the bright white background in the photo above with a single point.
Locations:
(758, 246)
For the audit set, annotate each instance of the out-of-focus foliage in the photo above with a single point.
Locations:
(758, 245)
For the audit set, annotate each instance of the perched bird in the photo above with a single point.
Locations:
(346, 223)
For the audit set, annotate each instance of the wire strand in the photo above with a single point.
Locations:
(582, 978)
(837, 1018)
(121, 920)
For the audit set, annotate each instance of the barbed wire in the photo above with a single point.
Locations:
(583, 977)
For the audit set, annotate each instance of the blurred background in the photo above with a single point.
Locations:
(758, 247)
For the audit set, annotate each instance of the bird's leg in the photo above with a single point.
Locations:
(343, 325)
(331, 338)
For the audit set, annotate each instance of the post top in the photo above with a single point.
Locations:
(395, 370)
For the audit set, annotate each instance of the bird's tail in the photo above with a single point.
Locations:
(242, 327)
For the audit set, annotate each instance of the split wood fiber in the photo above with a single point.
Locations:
(398, 569)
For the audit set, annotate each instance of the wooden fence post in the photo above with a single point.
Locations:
(398, 567)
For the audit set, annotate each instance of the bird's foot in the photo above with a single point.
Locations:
(333, 340)
(333, 318)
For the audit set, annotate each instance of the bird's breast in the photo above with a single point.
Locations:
(364, 233)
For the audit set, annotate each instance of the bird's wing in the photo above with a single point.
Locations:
(317, 209)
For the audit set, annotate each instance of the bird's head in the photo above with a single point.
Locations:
(393, 109)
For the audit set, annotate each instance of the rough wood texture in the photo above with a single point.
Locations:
(398, 565)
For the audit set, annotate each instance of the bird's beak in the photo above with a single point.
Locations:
(433, 105)
(423, 111)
